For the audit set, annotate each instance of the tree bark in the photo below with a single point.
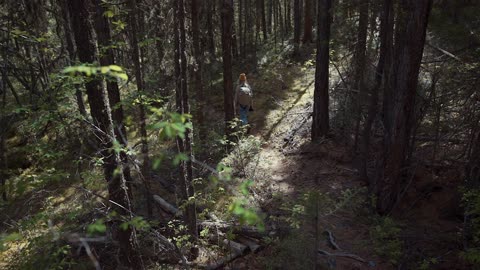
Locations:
(381, 74)
(198, 70)
(307, 31)
(210, 32)
(297, 21)
(264, 20)
(360, 65)
(320, 123)
(102, 119)
(185, 189)
(102, 28)
(71, 53)
(226, 15)
(408, 55)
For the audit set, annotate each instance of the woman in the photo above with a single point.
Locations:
(243, 99)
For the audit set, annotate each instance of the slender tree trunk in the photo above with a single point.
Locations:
(307, 32)
(280, 19)
(360, 65)
(234, 37)
(185, 189)
(145, 168)
(3, 165)
(71, 53)
(320, 124)
(226, 15)
(297, 21)
(240, 28)
(102, 28)
(210, 33)
(198, 70)
(269, 16)
(408, 55)
(264, 20)
(381, 73)
(102, 119)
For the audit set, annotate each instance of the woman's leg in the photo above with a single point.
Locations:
(244, 114)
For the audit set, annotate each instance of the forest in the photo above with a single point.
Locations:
(240, 134)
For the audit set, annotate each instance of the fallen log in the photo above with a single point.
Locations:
(250, 242)
(239, 229)
(167, 206)
(345, 255)
(224, 261)
(235, 247)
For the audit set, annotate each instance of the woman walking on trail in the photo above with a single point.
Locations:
(243, 99)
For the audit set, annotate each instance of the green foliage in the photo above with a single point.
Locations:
(170, 124)
(245, 214)
(89, 70)
(137, 222)
(244, 150)
(97, 227)
(471, 202)
(472, 255)
(385, 235)
(8, 238)
(428, 263)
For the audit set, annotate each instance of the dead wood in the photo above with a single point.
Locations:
(169, 208)
(345, 255)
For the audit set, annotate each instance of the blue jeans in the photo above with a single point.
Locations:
(244, 114)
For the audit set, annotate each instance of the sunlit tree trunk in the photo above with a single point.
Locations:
(104, 129)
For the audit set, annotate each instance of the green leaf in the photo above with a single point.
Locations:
(115, 68)
(109, 14)
(97, 227)
(179, 158)
(244, 187)
(156, 163)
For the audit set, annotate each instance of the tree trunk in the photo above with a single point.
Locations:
(320, 124)
(307, 31)
(297, 21)
(240, 28)
(198, 70)
(408, 55)
(185, 189)
(269, 16)
(71, 53)
(264, 20)
(145, 168)
(288, 16)
(102, 119)
(210, 32)
(381, 73)
(3, 154)
(226, 15)
(102, 28)
(360, 65)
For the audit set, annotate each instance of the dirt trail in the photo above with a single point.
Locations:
(290, 166)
